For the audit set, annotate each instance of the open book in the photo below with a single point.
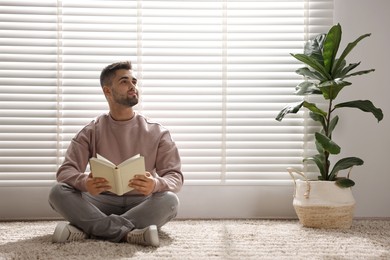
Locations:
(118, 176)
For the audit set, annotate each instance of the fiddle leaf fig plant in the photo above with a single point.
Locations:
(325, 76)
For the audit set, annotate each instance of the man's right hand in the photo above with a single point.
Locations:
(96, 186)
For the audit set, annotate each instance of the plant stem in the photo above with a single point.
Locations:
(328, 134)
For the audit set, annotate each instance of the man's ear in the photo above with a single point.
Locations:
(106, 91)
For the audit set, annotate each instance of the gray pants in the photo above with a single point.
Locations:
(110, 217)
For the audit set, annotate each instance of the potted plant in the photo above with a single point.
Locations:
(325, 76)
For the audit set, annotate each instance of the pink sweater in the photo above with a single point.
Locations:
(119, 140)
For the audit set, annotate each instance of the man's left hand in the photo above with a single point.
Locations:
(144, 184)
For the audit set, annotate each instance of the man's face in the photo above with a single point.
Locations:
(124, 88)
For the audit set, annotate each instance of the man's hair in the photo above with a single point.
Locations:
(108, 72)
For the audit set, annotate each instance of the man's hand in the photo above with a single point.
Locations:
(144, 184)
(96, 186)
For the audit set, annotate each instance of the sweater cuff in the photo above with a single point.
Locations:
(157, 184)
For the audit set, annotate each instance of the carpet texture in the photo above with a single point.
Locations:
(208, 239)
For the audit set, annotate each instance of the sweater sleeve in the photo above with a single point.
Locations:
(168, 166)
(72, 170)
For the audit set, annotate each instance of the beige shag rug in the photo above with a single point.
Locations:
(208, 239)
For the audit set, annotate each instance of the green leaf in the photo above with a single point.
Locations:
(319, 147)
(364, 105)
(313, 48)
(331, 46)
(313, 108)
(327, 143)
(332, 125)
(346, 51)
(343, 164)
(344, 70)
(337, 73)
(319, 160)
(345, 183)
(359, 73)
(291, 108)
(319, 118)
(313, 63)
(330, 89)
(307, 88)
(306, 72)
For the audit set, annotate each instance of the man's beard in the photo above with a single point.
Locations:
(125, 101)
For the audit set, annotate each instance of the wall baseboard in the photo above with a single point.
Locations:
(196, 202)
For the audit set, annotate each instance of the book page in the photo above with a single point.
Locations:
(131, 159)
(104, 160)
(128, 170)
(100, 168)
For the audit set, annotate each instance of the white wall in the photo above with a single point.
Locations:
(358, 133)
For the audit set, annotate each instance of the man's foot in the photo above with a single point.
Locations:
(66, 232)
(147, 236)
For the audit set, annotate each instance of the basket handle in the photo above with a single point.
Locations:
(291, 171)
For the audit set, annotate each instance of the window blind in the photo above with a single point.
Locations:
(215, 73)
(28, 95)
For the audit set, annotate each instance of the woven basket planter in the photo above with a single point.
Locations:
(322, 204)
